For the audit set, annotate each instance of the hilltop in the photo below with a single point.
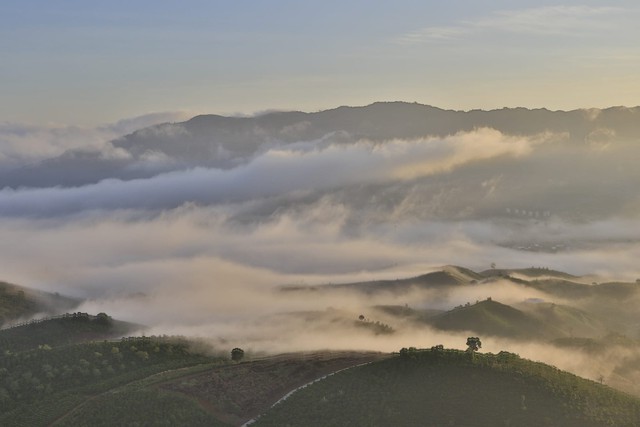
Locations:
(490, 317)
(445, 387)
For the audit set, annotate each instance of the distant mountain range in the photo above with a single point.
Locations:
(225, 142)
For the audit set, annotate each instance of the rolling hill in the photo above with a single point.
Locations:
(570, 320)
(447, 276)
(493, 318)
(70, 328)
(17, 302)
(72, 370)
(446, 387)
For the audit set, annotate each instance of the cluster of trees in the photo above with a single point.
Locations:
(31, 377)
(237, 354)
(377, 327)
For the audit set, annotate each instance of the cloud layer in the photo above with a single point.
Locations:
(203, 250)
(278, 171)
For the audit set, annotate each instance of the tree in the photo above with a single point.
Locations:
(103, 319)
(473, 344)
(237, 354)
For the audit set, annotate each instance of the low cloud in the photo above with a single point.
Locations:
(22, 143)
(281, 170)
(203, 251)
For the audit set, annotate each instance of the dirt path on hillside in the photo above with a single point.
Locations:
(241, 392)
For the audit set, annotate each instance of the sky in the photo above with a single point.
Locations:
(90, 63)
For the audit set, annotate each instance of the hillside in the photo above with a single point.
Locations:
(493, 318)
(448, 276)
(64, 330)
(570, 320)
(448, 387)
(529, 273)
(62, 372)
(151, 381)
(41, 386)
(17, 302)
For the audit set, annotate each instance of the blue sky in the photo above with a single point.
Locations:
(79, 62)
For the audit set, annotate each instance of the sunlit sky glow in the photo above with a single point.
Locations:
(79, 62)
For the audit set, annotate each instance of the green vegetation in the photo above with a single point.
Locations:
(37, 386)
(14, 303)
(235, 393)
(473, 344)
(570, 320)
(452, 276)
(376, 327)
(63, 330)
(404, 311)
(450, 387)
(237, 354)
(493, 318)
(143, 407)
(74, 370)
(533, 272)
(17, 302)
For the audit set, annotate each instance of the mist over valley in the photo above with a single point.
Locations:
(366, 229)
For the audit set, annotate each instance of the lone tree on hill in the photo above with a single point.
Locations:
(473, 344)
(237, 354)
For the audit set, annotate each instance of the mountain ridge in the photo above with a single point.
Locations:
(212, 140)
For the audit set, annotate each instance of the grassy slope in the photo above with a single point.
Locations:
(41, 385)
(17, 302)
(493, 318)
(62, 331)
(447, 388)
(224, 394)
(572, 321)
(449, 276)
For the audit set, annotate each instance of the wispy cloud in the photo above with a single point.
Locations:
(541, 21)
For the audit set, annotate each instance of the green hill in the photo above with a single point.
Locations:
(448, 276)
(63, 330)
(17, 302)
(561, 288)
(406, 312)
(570, 320)
(452, 388)
(493, 318)
(41, 386)
(168, 381)
(532, 272)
